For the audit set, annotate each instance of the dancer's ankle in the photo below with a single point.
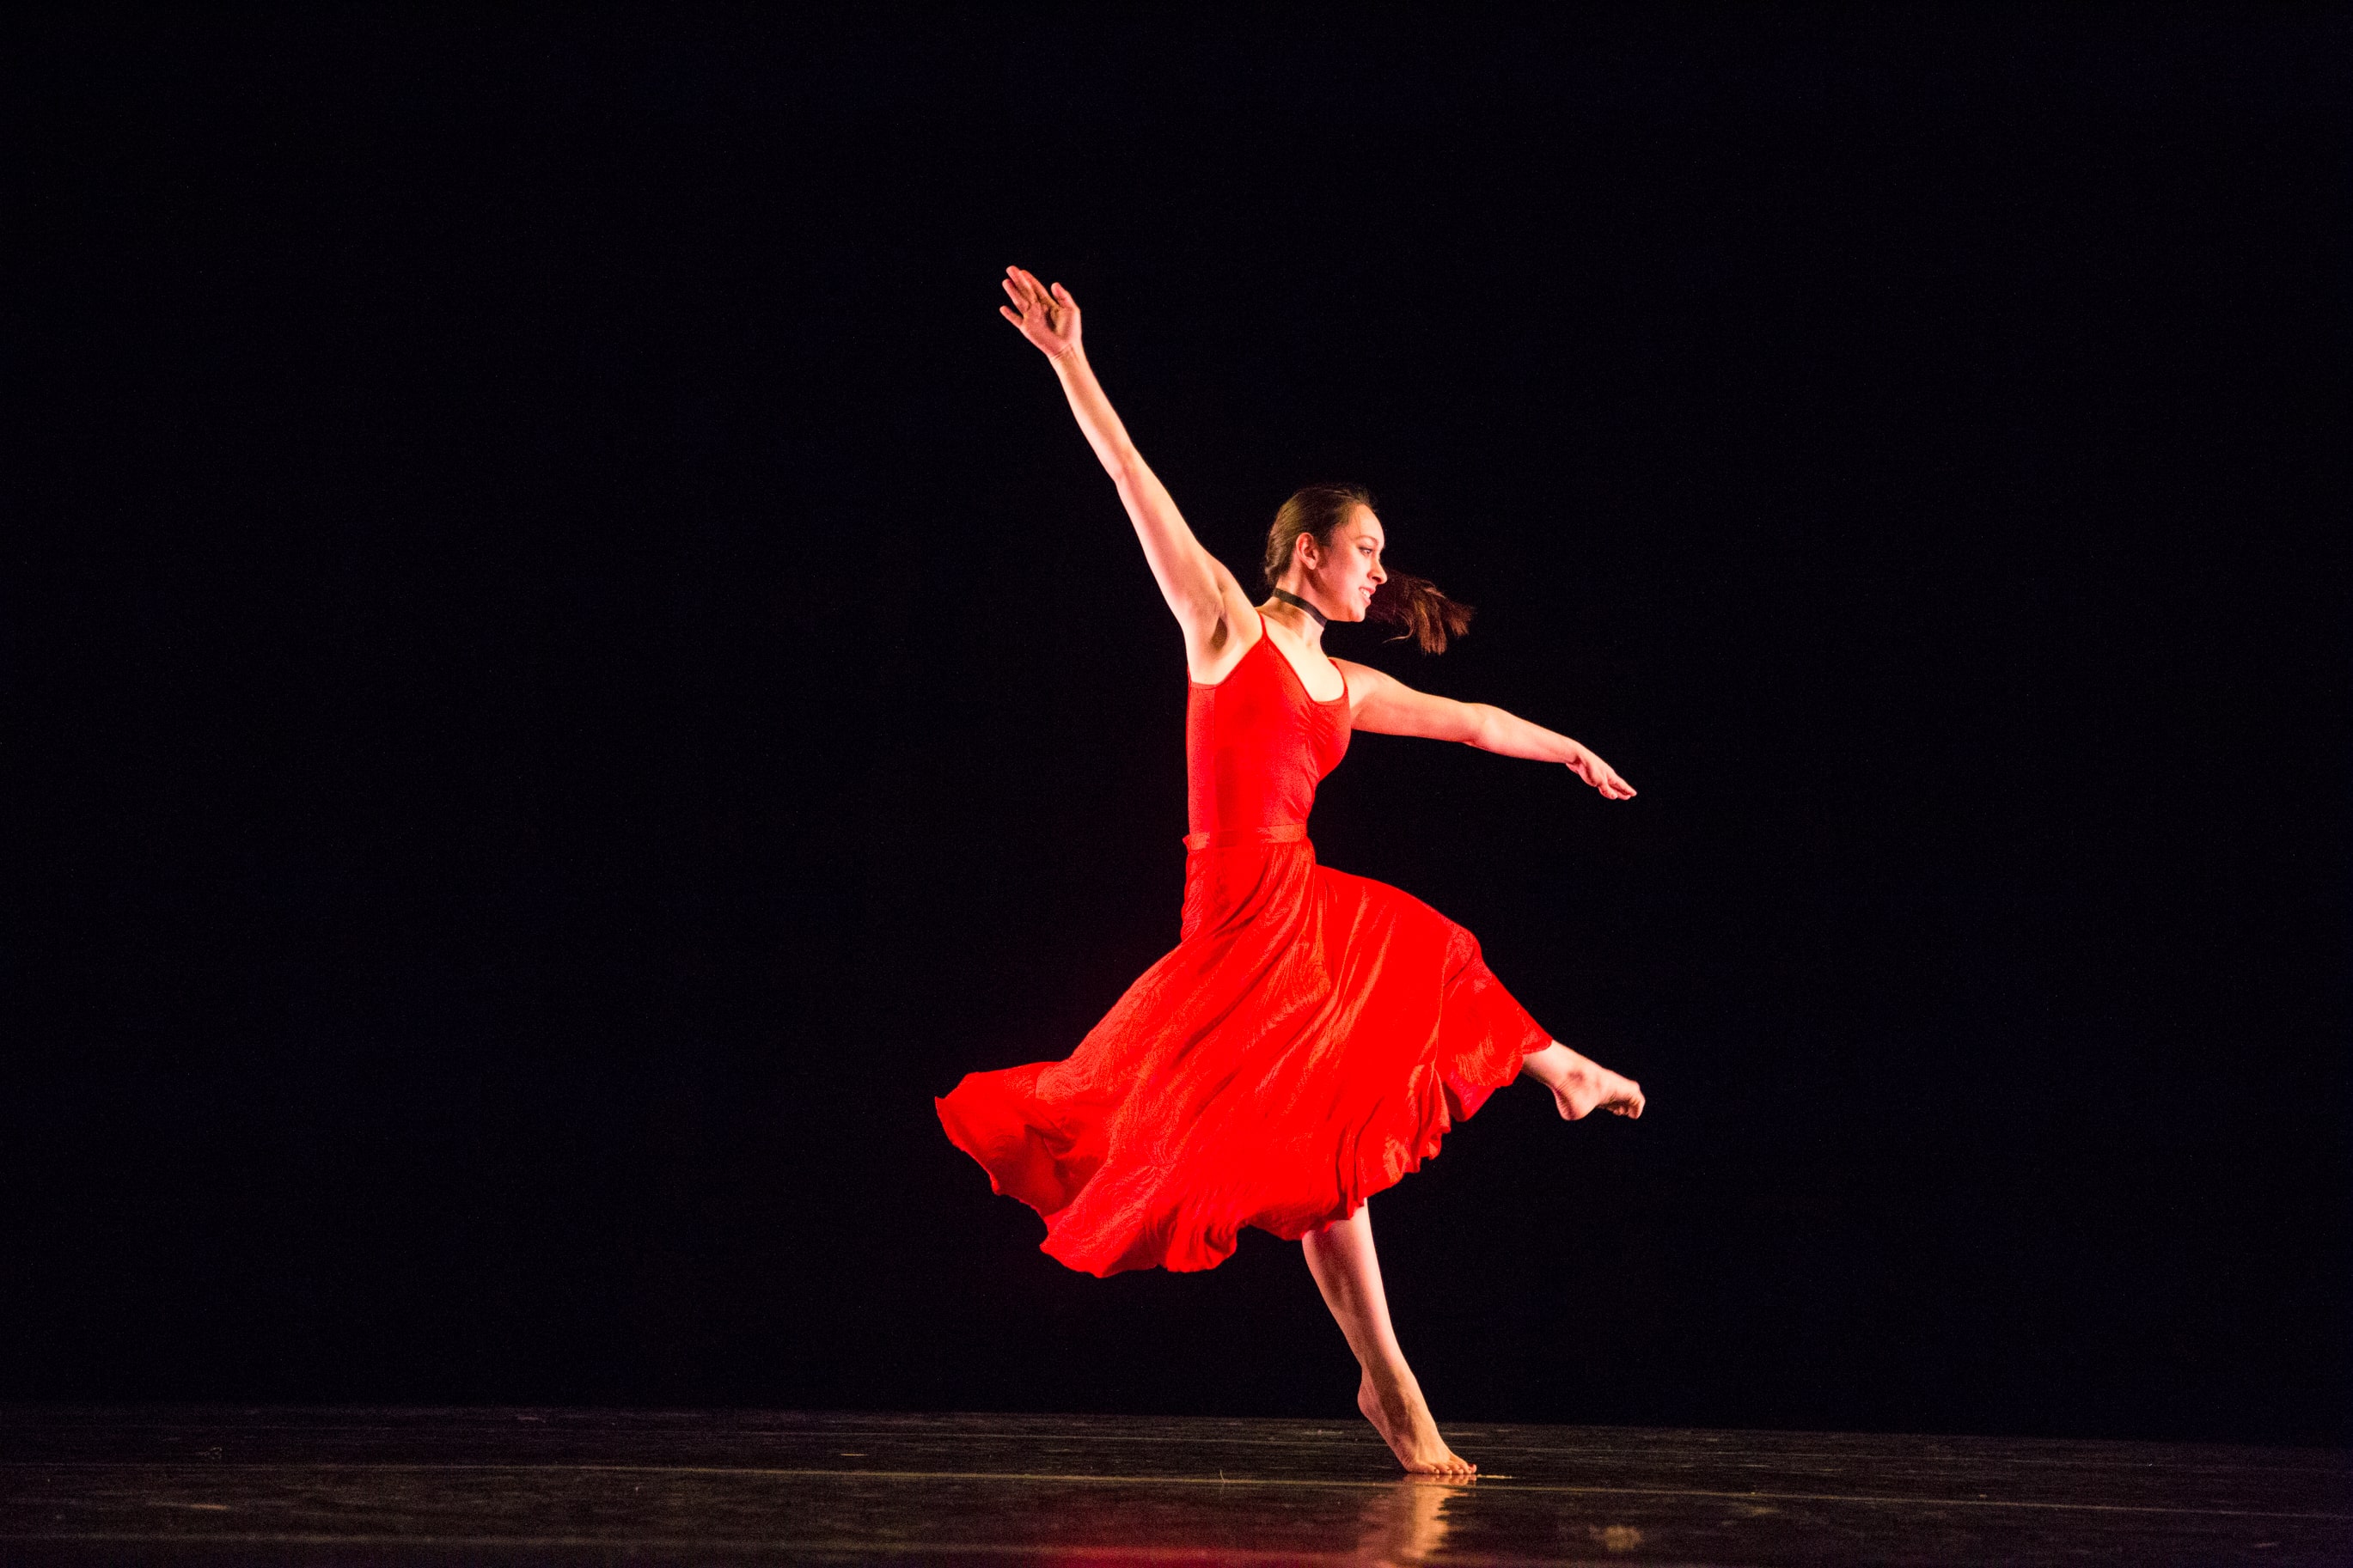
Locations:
(1548, 1066)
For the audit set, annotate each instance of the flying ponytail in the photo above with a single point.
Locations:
(1428, 616)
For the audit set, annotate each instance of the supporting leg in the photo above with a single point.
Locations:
(1348, 1272)
(1580, 1086)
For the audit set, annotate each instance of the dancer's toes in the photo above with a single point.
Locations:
(1448, 1463)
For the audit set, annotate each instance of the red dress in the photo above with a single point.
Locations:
(1309, 1041)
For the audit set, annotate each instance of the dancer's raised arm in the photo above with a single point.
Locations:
(1207, 601)
(1388, 706)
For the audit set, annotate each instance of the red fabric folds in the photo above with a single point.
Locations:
(1309, 1041)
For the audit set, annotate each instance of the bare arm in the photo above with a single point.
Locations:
(1388, 706)
(1207, 601)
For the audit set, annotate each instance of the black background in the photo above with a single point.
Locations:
(572, 673)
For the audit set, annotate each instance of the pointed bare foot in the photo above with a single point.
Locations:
(1402, 1418)
(1581, 1086)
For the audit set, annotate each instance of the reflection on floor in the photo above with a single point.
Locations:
(507, 1486)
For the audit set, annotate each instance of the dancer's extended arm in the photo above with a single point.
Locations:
(1388, 706)
(1207, 601)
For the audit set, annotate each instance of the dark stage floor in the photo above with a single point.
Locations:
(451, 1486)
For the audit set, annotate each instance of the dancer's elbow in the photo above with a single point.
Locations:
(1483, 725)
(1128, 470)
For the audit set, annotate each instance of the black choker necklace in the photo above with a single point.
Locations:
(1321, 618)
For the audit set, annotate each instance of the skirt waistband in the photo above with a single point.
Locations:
(1228, 837)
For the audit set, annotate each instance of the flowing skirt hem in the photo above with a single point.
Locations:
(1027, 1150)
(1310, 1042)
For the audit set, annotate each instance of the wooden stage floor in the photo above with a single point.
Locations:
(355, 1485)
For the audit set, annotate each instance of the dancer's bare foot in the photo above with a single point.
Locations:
(1402, 1418)
(1581, 1086)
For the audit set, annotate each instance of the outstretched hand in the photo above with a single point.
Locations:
(1600, 776)
(1047, 317)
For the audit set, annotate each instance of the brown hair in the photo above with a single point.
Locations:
(1428, 616)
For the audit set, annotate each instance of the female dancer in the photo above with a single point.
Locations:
(1313, 1034)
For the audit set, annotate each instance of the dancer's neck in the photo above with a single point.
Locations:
(1299, 617)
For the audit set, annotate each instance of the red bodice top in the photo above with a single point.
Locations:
(1256, 744)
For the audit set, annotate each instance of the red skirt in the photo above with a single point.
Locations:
(1309, 1041)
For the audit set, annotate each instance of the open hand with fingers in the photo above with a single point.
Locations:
(1047, 317)
(1600, 776)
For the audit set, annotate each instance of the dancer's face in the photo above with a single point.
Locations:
(1340, 578)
